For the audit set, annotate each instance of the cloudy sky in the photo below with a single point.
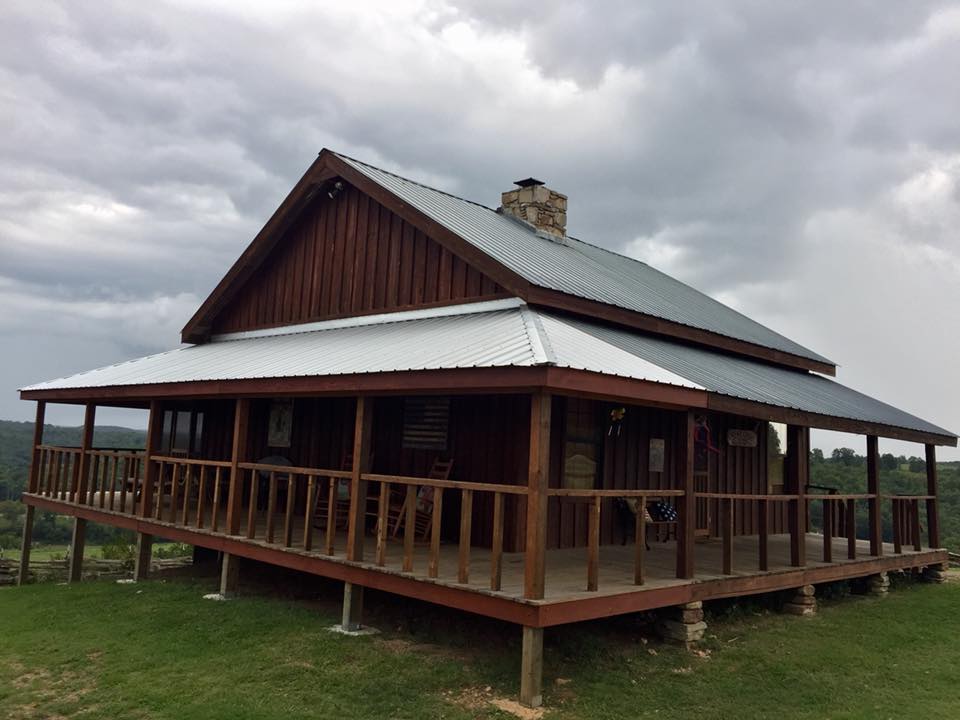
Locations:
(799, 161)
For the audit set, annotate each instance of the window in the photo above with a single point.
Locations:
(425, 423)
(182, 432)
(581, 445)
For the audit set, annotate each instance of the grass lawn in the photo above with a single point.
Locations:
(46, 552)
(156, 650)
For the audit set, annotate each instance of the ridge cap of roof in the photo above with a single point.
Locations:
(412, 182)
(385, 318)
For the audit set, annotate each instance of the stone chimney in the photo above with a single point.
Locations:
(538, 205)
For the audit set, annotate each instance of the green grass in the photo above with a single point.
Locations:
(156, 650)
(49, 552)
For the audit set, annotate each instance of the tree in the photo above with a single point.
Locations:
(816, 456)
(844, 456)
(888, 462)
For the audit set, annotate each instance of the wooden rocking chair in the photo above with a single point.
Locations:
(440, 470)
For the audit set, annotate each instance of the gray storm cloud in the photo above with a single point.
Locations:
(798, 161)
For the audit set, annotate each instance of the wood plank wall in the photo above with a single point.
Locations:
(488, 441)
(351, 256)
(624, 461)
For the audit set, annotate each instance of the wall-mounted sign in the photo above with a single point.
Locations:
(281, 423)
(742, 438)
(656, 454)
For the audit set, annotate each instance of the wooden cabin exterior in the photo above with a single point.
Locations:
(406, 391)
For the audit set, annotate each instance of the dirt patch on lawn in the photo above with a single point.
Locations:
(477, 698)
(44, 687)
(402, 646)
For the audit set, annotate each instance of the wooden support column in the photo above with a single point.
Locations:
(229, 575)
(81, 470)
(352, 619)
(873, 488)
(33, 483)
(538, 473)
(531, 667)
(798, 477)
(933, 502)
(154, 437)
(141, 563)
(362, 434)
(241, 421)
(77, 543)
(688, 521)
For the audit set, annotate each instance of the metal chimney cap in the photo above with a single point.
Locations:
(528, 182)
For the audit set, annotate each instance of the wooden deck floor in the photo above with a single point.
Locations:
(566, 598)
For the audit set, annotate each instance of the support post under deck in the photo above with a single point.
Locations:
(32, 484)
(77, 543)
(141, 566)
(229, 575)
(531, 667)
(352, 619)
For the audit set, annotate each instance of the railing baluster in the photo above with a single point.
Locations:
(852, 529)
(308, 513)
(254, 500)
(433, 569)
(409, 527)
(827, 531)
(466, 516)
(726, 529)
(271, 504)
(174, 492)
(496, 549)
(640, 540)
(188, 471)
(201, 497)
(593, 539)
(215, 509)
(915, 506)
(288, 518)
(897, 527)
(762, 536)
(383, 505)
(159, 489)
(113, 480)
(333, 489)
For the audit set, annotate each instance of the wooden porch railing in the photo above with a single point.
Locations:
(840, 511)
(404, 507)
(294, 478)
(906, 520)
(173, 490)
(114, 475)
(58, 466)
(595, 500)
(727, 511)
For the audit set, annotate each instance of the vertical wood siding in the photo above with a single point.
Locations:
(350, 256)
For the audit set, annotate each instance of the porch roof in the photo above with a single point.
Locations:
(497, 334)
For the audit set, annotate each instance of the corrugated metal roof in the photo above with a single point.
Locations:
(580, 343)
(578, 268)
(495, 334)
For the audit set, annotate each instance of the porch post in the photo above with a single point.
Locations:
(685, 535)
(32, 484)
(154, 431)
(538, 474)
(362, 434)
(77, 544)
(229, 575)
(933, 502)
(873, 488)
(241, 421)
(798, 477)
(144, 552)
(82, 467)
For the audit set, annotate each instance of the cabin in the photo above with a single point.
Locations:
(404, 390)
